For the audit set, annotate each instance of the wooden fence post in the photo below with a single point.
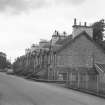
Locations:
(97, 84)
(71, 79)
(67, 81)
(87, 80)
(78, 79)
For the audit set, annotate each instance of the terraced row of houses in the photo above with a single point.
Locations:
(76, 58)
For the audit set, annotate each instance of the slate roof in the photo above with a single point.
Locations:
(62, 41)
(47, 45)
(70, 42)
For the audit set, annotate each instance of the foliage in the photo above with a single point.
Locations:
(23, 65)
(4, 63)
(8, 64)
(98, 29)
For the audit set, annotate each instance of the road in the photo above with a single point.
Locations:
(18, 91)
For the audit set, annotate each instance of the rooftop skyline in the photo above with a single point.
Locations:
(24, 22)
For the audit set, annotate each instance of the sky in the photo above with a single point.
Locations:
(24, 22)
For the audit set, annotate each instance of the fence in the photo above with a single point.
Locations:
(94, 86)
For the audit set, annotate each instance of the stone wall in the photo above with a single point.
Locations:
(81, 53)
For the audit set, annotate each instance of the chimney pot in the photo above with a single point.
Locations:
(85, 24)
(75, 21)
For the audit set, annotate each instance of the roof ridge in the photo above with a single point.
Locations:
(76, 37)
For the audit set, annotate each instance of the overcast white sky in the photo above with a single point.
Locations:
(23, 22)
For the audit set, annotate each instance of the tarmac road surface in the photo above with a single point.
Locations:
(18, 91)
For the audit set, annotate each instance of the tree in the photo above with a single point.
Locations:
(24, 65)
(8, 64)
(2, 60)
(98, 29)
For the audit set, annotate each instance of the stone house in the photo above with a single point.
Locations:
(45, 57)
(79, 60)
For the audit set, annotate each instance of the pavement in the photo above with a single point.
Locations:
(18, 91)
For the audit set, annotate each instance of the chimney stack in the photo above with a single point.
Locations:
(75, 21)
(77, 29)
(85, 24)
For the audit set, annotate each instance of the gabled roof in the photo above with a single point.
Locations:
(70, 42)
(62, 41)
(47, 45)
